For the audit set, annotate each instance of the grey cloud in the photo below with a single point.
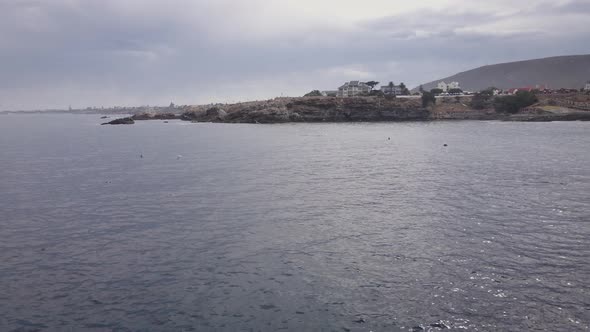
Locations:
(571, 7)
(95, 46)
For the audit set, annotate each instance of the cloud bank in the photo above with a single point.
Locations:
(136, 52)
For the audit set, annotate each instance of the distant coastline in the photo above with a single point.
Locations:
(562, 107)
(557, 107)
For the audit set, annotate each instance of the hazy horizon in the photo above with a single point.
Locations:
(131, 53)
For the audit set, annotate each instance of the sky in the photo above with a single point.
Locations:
(57, 53)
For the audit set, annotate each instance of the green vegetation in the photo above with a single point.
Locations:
(428, 98)
(482, 99)
(405, 90)
(314, 93)
(512, 104)
(436, 91)
(455, 91)
(371, 84)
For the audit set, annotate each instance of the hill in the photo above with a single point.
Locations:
(556, 72)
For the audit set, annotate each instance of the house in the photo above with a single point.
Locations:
(353, 88)
(587, 86)
(445, 87)
(394, 90)
(329, 93)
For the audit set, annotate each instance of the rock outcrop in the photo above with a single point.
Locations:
(549, 117)
(122, 121)
(155, 116)
(215, 114)
(314, 109)
(365, 109)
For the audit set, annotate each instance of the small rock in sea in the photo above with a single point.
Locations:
(165, 121)
(417, 328)
(360, 321)
(104, 117)
(178, 157)
(389, 138)
(445, 145)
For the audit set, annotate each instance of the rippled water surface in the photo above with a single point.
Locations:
(323, 227)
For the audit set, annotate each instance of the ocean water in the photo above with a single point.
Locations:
(304, 227)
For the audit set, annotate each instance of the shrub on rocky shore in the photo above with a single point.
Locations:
(512, 104)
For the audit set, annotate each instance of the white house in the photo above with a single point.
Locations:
(445, 87)
(353, 88)
(587, 87)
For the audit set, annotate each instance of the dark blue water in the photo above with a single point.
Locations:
(304, 227)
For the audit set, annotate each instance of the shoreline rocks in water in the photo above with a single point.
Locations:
(122, 121)
(361, 109)
(314, 109)
(574, 116)
(155, 116)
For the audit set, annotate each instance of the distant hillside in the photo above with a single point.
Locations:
(557, 72)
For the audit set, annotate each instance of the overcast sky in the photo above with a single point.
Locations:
(55, 53)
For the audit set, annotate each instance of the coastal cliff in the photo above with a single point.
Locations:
(565, 107)
(313, 109)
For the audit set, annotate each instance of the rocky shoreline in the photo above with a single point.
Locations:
(321, 109)
(358, 109)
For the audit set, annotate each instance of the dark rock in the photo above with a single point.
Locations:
(215, 114)
(360, 321)
(125, 121)
(417, 328)
(266, 115)
(355, 109)
(549, 117)
(155, 116)
(324, 109)
(104, 117)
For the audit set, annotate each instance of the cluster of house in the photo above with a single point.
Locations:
(540, 89)
(446, 87)
(358, 88)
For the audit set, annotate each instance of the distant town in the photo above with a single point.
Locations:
(359, 89)
(477, 99)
